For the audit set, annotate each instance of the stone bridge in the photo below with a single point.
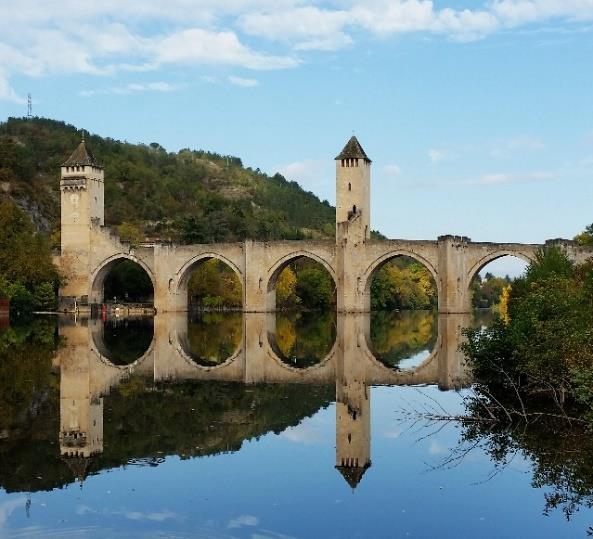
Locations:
(89, 250)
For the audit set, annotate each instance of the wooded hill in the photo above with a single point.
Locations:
(190, 196)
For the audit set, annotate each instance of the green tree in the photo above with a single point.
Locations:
(586, 237)
(547, 345)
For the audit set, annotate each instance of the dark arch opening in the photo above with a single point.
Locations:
(302, 284)
(122, 341)
(123, 281)
(302, 340)
(403, 297)
(212, 338)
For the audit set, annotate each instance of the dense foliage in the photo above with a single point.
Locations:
(398, 336)
(544, 346)
(304, 339)
(403, 284)
(586, 237)
(487, 291)
(27, 276)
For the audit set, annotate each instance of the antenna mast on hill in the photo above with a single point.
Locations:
(29, 106)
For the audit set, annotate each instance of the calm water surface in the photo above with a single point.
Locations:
(296, 425)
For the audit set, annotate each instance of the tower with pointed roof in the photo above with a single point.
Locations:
(353, 190)
(81, 409)
(82, 207)
(353, 404)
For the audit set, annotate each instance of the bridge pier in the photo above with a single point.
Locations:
(455, 296)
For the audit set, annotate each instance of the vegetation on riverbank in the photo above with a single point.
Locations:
(27, 276)
(540, 351)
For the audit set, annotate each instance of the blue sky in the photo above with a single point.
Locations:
(478, 115)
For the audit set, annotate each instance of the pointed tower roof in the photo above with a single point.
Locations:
(353, 150)
(353, 474)
(82, 156)
(78, 466)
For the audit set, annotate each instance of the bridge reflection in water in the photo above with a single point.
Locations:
(253, 355)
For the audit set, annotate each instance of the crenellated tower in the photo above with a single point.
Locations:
(353, 191)
(82, 207)
(353, 406)
(353, 224)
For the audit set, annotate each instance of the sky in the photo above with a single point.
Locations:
(478, 116)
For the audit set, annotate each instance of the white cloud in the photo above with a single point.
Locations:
(305, 433)
(391, 170)
(246, 83)
(517, 144)
(309, 26)
(436, 155)
(493, 179)
(243, 520)
(515, 12)
(501, 178)
(133, 88)
(436, 448)
(8, 507)
(155, 516)
(196, 45)
(317, 176)
(7, 92)
(45, 37)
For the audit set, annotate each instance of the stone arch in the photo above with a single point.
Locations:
(491, 257)
(280, 264)
(366, 280)
(102, 270)
(178, 285)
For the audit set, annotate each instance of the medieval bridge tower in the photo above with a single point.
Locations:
(89, 250)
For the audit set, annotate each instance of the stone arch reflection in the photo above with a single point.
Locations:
(212, 339)
(303, 339)
(123, 341)
(403, 340)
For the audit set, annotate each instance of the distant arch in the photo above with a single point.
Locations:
(491, 257)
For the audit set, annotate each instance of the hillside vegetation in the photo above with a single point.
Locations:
(190, 196)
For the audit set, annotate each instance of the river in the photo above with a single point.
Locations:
(292, 425)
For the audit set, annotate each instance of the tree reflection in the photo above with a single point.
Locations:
(303, 339)
(559, 452)
(213, 337)
(397, 336)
